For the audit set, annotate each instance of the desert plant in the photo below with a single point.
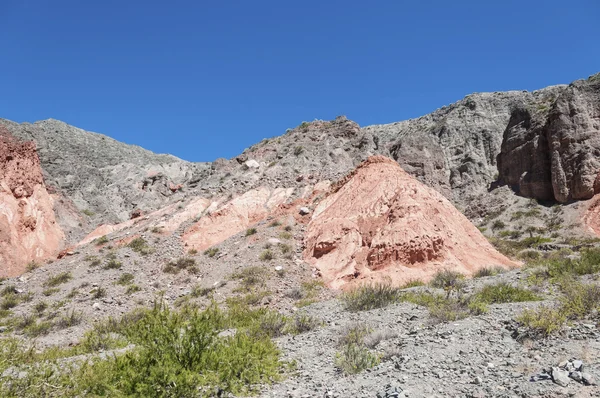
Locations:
(125, 279)
(70, 319)
(183, 263)
(58, 279)
(98, 292)
(354, 359)
(353, 333)
(211, 252)
(370, 296)
(266, 255)
(302, 323)
(448, 280)
(140, 245)
(488, 271)
(101, 240)
(274, 223)
(31, 266)
(250, 231)
(132, 289)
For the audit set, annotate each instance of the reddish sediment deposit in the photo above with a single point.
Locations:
(28, 228)
(379, 223)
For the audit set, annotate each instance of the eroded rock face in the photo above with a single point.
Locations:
(382, 223)
(551, 149)
(28, 228)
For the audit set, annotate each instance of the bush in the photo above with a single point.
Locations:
(31, 266)
(68, 320)
(542, 321)
(211, 252)
(140, 245)
(125, 279)
(354, 333)
(298, 150)
(132, 289)
(183, 263)
(101, 240)
(302, 323)
(50, 291)
(412, 283)
(174, 354)
(250, 277)
(354, 359)
(113, 263)
(58, 279)
(98, 292)
(285, 235)
(250, 231)
(370, 296)
(488, 271)
(504, 293)
(266, 255)
(275, 223)
(448, 280)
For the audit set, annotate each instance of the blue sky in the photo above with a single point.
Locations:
(206, 79)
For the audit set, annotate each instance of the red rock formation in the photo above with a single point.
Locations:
(235, 216)
(28, 229)
(380, 223)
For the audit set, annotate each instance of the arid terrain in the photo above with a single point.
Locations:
(456, 254)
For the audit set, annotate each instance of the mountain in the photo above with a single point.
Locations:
(338, 248)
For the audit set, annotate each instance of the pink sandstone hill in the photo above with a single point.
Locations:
(28, 228)
(381, 223)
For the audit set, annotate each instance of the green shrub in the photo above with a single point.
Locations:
(69, 319)
(125, 279)
(266, 255)
(140, 245)
(113, 263)
(211, 252)
(298, 150)
(101, 240)
(50, 291)
(199, 291)
(9, 301)
(354, 359)
(58, 279)
(504, 293)
(542, 321)
(98, 292)
(132, 289)
(285, 235)
(183, 263)
(448, 280)
(370, 296)
(355, 334)
(40, 307)
(275, 223)
(285, 248)
(251, 277)
(37, 329)
(31, 266)
(488, 271)
(94, 261)
(302, 323)
(412, 283)
(250, 231)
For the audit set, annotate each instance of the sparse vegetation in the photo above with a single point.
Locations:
(58, 279)
(50, 291)
(274, 223)
(125, 279)
(132, 289)
(448, 280)
(250, 231)
(140, 245)
(354, 359)
(101, 240)
(285, 235)
(183, 263)
(488, 271)
(70, 319)
(266, 255)
(211, 252)
(412, 283)
(251, 277)
(192, 252)
(98, 292)
(370, 296)
(31, 266)
(298, 150)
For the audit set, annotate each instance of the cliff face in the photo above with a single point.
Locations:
(28, 228)
(551, 149)
(381, 224)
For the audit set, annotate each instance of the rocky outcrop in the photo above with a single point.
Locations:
(28, 228)
(551, 148)
(381, 223)
(104, 178)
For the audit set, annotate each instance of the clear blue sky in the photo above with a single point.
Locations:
(205, 79)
